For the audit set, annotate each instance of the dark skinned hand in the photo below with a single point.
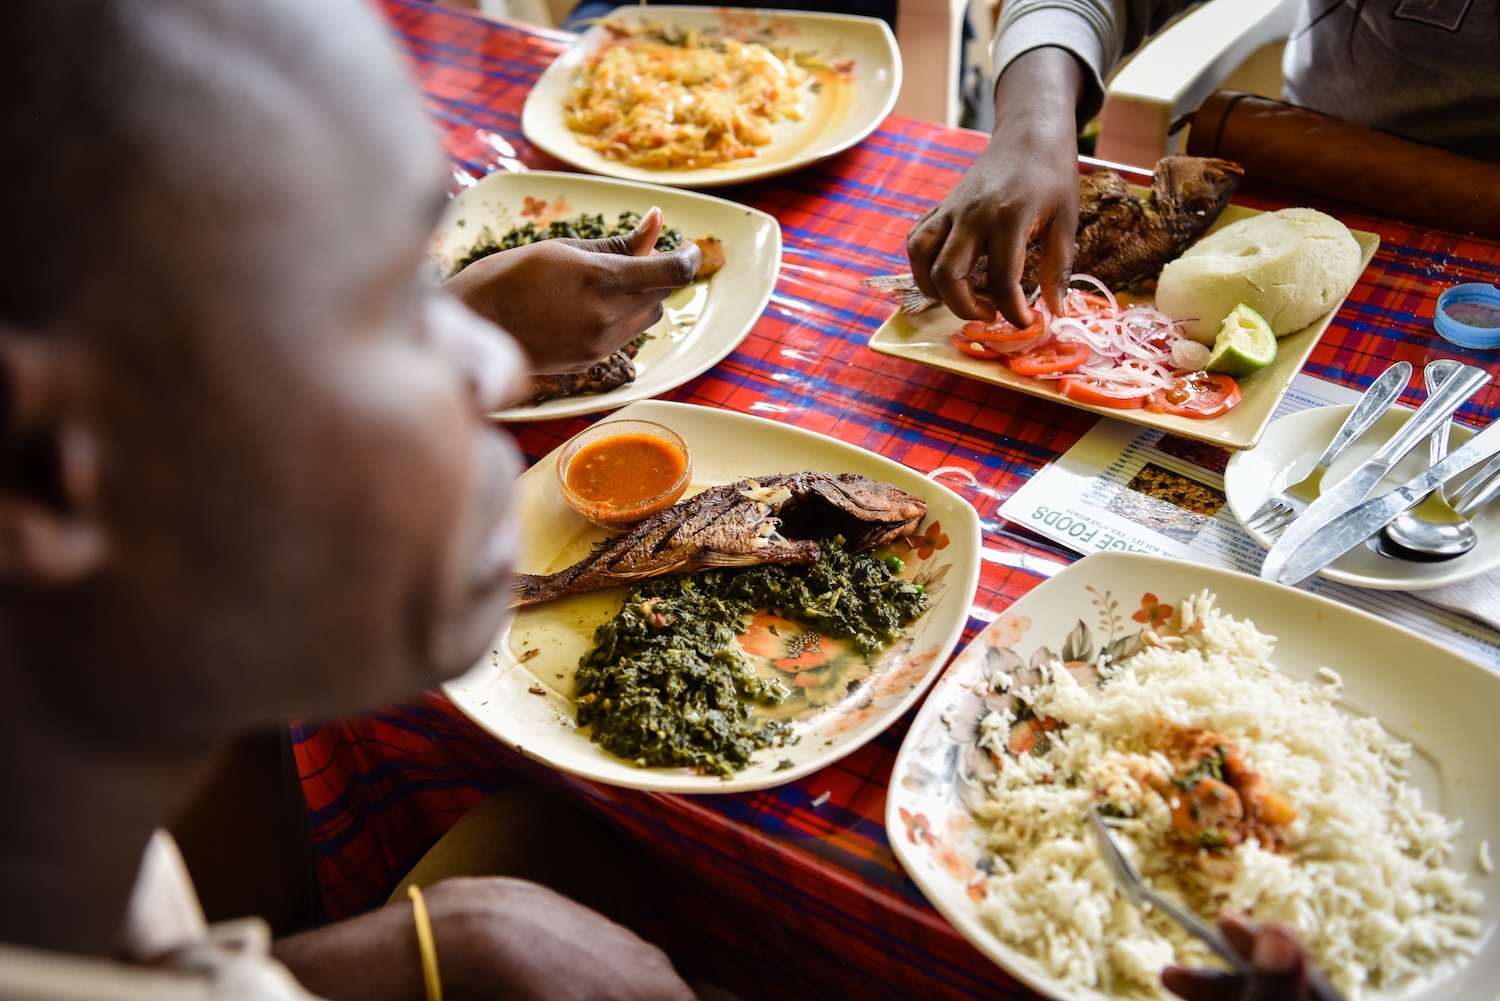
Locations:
(495, 938)
(1024, 185)
(1279, 969)
(572, 303)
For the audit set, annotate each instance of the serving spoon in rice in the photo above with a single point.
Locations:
(1142, 896)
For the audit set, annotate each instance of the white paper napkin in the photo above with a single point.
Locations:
(1478, 598)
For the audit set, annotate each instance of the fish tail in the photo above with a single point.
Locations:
(914, 301)
(903, 288)
(530, 589)
(890, 283)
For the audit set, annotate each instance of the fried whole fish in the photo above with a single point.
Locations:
(766, 519)
(1122, 238)
(611, 373)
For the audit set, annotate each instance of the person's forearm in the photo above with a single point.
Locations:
(1097, 33)
(373, 958)
(1023, 187)
(1038, 94)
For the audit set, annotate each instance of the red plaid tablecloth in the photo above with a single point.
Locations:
(810, 896)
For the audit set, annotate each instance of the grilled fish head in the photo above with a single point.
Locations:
(1190, 191)
(866, 512)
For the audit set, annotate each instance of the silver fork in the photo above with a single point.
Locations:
(1481, 488)
(1280, 509)
(1142, 896)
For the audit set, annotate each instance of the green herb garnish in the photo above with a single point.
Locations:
(579, 227)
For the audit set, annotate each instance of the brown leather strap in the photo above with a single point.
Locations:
(1291, 147)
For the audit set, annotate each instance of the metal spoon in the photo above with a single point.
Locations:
(1432, 530)
(1481, 488)
(1142, 896)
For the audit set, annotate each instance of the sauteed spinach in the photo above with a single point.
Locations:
(664, 685)
(579, 227)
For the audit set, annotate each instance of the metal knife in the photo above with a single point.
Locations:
(1349, 529)
(1352, 489)
(1377, 399)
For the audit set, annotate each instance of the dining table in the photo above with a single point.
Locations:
(798, 881)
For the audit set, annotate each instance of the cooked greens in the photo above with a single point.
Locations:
(665, 686)
(579, 227)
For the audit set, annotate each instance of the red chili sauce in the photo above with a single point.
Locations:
(625, 470)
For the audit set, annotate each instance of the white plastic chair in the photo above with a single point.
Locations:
(929, 34)
(530, 11)
(1171, 75)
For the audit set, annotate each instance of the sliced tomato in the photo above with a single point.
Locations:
(1004, 332)
(1049, 359)
(1197, 394)
(976, 349)
(1099, 393)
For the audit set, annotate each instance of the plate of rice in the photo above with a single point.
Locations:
(1256, 749)
(706, 96)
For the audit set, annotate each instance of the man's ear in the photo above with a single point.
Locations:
(51, 534)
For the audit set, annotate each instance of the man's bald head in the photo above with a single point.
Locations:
(245, 474)
(163, 134)
(242, 474)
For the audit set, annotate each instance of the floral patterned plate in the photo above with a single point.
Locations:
(1442, 704)
(522, 691)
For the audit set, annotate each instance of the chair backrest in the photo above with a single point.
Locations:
(929, 34)
(1172, 74)
(536, 12)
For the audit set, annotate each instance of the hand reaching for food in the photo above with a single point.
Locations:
(1279, 968)
(1024, 186)
(573, 302)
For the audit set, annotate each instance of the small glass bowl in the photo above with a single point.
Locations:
(603, 513)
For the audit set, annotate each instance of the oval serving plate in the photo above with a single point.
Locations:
(521, 692)
(1422, 693)
(838, 115)
(704, 321)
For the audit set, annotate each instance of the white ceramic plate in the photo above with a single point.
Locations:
(704, 322)
(925, 338)
(1291, 447)
(838, 115)
(525, 698)
(1444, 705)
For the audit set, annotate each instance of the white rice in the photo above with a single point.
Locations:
(1366, 882)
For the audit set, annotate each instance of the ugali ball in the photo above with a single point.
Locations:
(1289, 266)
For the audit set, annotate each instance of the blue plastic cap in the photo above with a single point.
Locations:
(1469, 315)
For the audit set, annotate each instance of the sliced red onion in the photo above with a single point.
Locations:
(1114, 305)
(1148, 314)
(1017, 347)
(1189, 355)
(1134, 347)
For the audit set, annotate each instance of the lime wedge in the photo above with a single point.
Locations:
(1245, 343)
